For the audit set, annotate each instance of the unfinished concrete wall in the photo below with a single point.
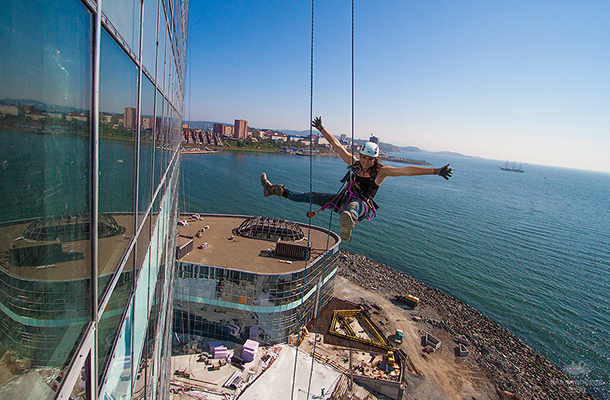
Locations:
(391, 389)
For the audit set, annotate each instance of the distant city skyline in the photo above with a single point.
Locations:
(521, 81)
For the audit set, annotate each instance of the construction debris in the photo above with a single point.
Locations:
(184, 372)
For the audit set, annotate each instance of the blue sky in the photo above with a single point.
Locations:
(520, 80)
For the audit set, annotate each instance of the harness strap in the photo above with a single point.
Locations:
(370, 208)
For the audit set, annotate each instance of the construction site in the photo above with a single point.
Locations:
(241, 297)
(356, 354)
(350, 355)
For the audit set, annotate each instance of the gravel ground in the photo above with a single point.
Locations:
(517, 371)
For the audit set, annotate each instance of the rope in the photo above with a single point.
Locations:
(311, 212)
(296, 355)
(352, 150)
(315, 342)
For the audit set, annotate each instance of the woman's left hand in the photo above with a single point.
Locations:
(444, 172)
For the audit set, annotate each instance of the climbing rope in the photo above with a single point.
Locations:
(321, 285)
(310, 214)
(321, 282)
(296, 355)
(352, 149)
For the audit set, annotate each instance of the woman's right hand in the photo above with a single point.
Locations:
(317, 123)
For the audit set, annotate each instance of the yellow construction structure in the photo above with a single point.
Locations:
(341, 326)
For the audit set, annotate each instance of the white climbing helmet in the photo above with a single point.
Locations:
(370, 149)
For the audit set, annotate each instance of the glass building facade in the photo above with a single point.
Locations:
(91, 99)
(244, 298)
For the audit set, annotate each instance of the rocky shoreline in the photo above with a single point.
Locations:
(517, 371)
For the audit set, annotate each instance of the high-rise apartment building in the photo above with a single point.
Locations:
(241, 129)
(220, 129)
(87, 222)
(129, 118)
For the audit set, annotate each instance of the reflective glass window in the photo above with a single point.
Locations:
(147, 120)
(141, 312)
(149, 34)
(79, 391)
(143, 386)
(162, 34)
(162, 145)
(168, 137)
(118, 123)
(169, 70)
(118, 379)
(176, 138)
(158, 142)
(112, 316)
(45, 63)
(125, 17)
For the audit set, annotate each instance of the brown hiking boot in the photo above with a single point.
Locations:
(270, 189)
(347, 221)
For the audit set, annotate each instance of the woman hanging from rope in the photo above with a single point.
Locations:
(364, 177)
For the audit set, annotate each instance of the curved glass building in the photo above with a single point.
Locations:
(91, 99)
(251, 277)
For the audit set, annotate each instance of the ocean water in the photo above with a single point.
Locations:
(531, 250)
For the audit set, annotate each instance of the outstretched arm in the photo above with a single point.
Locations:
(386, 171)
(344, 154)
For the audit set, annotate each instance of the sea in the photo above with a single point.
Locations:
(529, 250)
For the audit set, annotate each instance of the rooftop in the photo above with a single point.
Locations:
(41, 251)
(227, 249)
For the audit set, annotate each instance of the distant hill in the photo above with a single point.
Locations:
(295, 133)
(388, 148)
(204, 125)
(39, 105)
(410, 149)
(452, 153)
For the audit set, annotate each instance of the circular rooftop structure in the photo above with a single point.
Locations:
(272, 229)
(71, 228)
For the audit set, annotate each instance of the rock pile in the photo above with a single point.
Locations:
(517, 370)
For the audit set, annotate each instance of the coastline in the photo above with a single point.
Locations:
(187, 151)
(325, 153)
(516, 370)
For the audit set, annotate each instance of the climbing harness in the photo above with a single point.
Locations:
(352, 191)
(370, 207)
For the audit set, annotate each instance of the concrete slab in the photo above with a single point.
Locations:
(276, 382)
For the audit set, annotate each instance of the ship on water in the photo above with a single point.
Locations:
(514, 168)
